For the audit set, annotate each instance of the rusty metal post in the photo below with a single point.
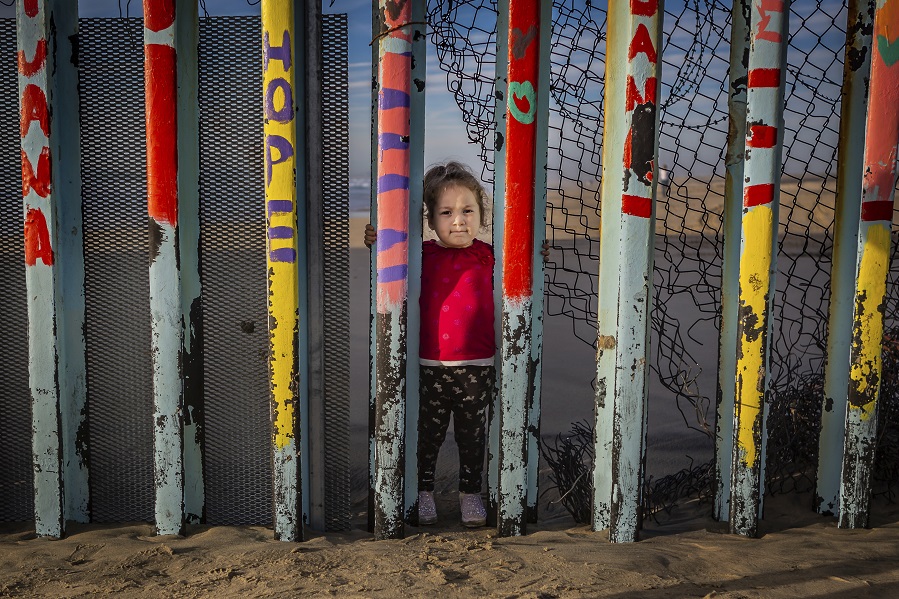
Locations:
(280, 132)
(850, 164)
(392, 255)
(758, 253)
(878, 189)
(630, 147)
(166, 321)
(536, 366)
(518, 258)
(54, 260)
(730, 266)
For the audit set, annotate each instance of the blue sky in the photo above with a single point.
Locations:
(443, 117)
(445, 132)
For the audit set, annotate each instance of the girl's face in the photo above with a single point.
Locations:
(456, 218)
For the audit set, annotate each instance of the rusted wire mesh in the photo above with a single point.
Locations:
(689, 237)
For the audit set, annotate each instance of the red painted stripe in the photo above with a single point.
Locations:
(877, 211)
(764, 78)
(30, 67)
(756, 195)
(636, 206)
(159, 14)
(645, 8)
(162, 136)
(521, 140)
(761, 136)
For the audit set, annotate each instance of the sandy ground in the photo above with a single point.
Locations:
(685, 554)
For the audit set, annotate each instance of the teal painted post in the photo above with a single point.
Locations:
(633, 83)
(54, 260)
(416, 183)
(186, 42)
(536, 367)
(70, 282)
(730, 266)
(850, 165)
(499, 194)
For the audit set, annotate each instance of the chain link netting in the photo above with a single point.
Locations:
(690, 204)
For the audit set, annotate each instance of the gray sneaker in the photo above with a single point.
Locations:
(427, 510)
(473, 513)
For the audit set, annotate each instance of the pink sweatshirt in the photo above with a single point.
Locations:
(456, 303)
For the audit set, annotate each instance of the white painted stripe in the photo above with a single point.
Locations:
(395, 45)
(166, 37)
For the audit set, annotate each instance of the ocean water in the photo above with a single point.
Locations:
(360, 200)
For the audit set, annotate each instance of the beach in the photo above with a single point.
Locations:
(686, 553)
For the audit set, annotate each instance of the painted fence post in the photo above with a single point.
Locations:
(373, 265)
(518, 258)
(392, 255)
(280, 132)
(500, 84)
(878, 189)
(850, 164)
(187, 35)
(633, 79)
(416, 202)
(170, 75)
(311, 266)
(730, 266)
(540, 173)
(758, 253)
(54, 260)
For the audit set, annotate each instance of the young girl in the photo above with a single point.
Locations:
(457, 343)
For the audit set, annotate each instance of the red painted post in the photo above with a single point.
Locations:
(518, 259)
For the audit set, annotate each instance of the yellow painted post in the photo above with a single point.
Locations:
(761, 191)
(280, 144)
(878, 189)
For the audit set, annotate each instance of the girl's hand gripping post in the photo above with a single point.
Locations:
(371, 236)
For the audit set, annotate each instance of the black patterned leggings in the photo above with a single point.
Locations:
(464, 391)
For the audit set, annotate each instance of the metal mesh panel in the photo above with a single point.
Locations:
(233, 267)
(335, 156)
(16, 488)
(116, 269)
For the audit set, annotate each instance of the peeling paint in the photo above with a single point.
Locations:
(730, 266)
(850, 165)
(762, 168)
(878, 190)
(280, 131)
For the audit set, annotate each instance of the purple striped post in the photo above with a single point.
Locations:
(392, 258)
